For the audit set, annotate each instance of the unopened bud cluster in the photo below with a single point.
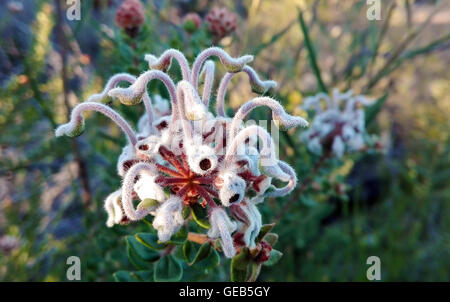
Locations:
(130, 16)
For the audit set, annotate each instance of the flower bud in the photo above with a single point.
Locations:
(130, 16)
(192, 22)
(221, 22)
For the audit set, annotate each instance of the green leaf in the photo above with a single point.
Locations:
(150, 241)
(372, 111)
(186, 212)
(142, 251)
(190, 251)
(144, 276)
(201, 254)
(205, 258)
(124, 276)
(137, 261)
(311, 54)
(179, 237)
(200, 216)
(148, 222)
(266, 228)
(168, 269)
(274, 257)
(255, 270)
(240, 266)
(210, 262)
(271, 238)
(139, 255)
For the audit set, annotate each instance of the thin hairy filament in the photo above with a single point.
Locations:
(161, 62)
(113, 82)
(292, 183)
(232, 64)
(278, 114)
(127, 190)
(133, 94)
(77, 120)
(267, 149)
(208, 70)
(258, 86)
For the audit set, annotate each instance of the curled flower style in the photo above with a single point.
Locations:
(338, 125)
(183, 156)
(248, 214)
(113, 207)
(258, 86)
(222, 226)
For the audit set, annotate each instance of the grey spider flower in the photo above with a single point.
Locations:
(186, 155)
(339, 125)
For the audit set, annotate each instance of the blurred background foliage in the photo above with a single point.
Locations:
(393, 204)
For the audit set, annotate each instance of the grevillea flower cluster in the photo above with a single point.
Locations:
(185, 156)
(338, 125)
(221, 22)
(130, 16)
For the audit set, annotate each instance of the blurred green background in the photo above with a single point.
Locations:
(394, 204)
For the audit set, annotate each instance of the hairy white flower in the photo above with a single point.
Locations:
(254, 223)
(113, 208)
(146, 188)
(164, 61)
(202, 159)
(168, 218)
(221, 225)
(232, 188)
(197, 155)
